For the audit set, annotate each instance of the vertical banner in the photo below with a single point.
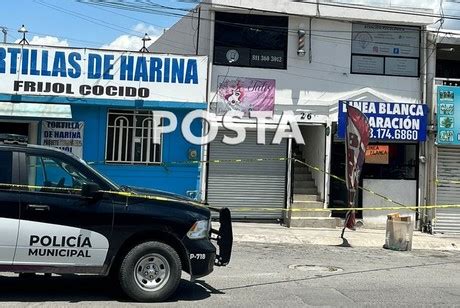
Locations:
(64, 135)
(244, 94)
(357, 139)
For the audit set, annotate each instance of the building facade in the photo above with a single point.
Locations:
(101, 106)
(312, 59)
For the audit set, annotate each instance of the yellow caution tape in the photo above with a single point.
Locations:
(46, 188)
(49, 189)
(359, 187)
(399, 206)
(391, 208)
(233, 209)
(212, 161)
(248, 160)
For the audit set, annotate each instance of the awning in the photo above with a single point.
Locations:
(33, 110)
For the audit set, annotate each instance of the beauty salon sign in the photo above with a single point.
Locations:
(244, 94)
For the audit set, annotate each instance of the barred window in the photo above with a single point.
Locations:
(131, 135)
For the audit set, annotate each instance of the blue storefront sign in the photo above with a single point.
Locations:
(448, 115)
(110, 99)
(389, 121)
(102, 74)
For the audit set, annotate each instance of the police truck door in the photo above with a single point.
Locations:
(59, 226)
(9, 206)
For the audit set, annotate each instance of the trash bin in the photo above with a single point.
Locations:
(399, 232)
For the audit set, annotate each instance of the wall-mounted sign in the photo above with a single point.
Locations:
(448, 115)
(244, 94)
(377, 154)
(385, 50)
(90, 73)
(389, 121)
(64, 135)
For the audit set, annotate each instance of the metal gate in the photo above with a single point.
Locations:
(253, 185)
(448, 169)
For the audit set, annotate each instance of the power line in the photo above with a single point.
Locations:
(347, 40)
(340, 5)
(127, 5)
(99, 22)
(88, 19)
(262, 26)
(327, 38)
(273, 28)
(325, 71)
(174, 44)
(135, 7)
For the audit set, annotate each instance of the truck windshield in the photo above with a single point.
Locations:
(109, 182)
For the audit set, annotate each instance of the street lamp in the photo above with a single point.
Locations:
(146, 38)
(23, 30)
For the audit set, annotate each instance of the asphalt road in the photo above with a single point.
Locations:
(262, 275)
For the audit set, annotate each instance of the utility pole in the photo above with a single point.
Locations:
(430, 151)
(5, 33)
(198, 31)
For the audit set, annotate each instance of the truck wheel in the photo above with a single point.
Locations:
(150, 272)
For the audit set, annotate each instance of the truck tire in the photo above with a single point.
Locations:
(150, 272)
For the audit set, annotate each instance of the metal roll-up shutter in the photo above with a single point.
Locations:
(253, 185)
(448, 169)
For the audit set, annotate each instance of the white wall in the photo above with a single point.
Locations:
(314, 151)
(181, 38)
(402, 191)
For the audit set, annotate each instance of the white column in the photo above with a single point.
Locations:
(204, 149)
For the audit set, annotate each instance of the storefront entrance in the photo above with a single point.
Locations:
(390, 169)
(254, 185)
(447, 190)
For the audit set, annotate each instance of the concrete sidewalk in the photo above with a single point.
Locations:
(276, 234)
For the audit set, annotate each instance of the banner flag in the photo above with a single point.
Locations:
(357, 139)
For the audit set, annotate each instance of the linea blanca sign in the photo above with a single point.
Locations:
(389, 121)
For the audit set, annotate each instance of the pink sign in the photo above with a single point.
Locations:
(244, 94)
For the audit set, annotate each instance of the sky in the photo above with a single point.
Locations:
(78, 23)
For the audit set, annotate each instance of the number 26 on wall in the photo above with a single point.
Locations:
(305, 115)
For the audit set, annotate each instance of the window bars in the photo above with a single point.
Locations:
(133, 137)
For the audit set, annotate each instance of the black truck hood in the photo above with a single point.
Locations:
(149, 193)
(159, 193)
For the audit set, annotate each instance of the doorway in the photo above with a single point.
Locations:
(14, 128)
(28, 129)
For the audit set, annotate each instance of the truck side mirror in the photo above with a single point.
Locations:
(90, 190)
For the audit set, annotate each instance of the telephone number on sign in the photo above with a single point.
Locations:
(267, 58)
(396, 134)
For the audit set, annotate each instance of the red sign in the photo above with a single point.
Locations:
(377, 154)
